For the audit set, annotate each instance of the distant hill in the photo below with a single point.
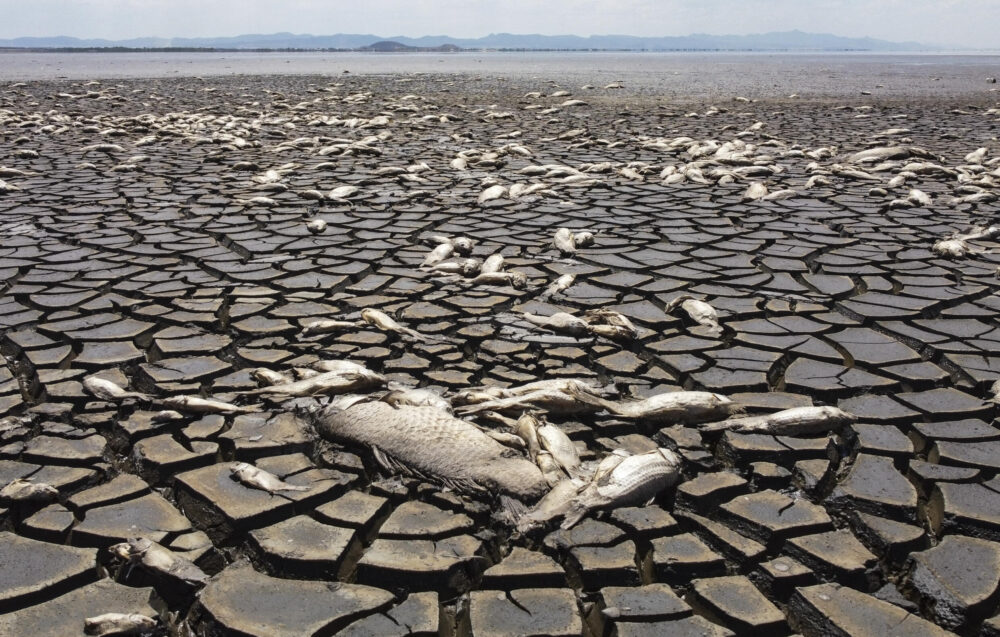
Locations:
(778, 41)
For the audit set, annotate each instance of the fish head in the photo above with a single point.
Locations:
(470, 267)
(239, 468)
(518, 280)
(462, 245)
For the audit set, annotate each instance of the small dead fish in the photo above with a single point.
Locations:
(754, 192)
(493, 263)
(526, 428)
(583, 239)
(670, 407)
(265, 376)
(700, 312)
(634, 480)
(491, 193)
(109, 391)
(21, 490)
(564, 242)
(550, 469)
(517, 280)
(551, 400)
(385, 323)
(326, 383)
(559, 322)
(465, 267)
(342, 192)
(415, 397)
(610, 324)
(559, 285)
(160, 561)
(327, 326)
(256, 478)
(797, 421)
(118, 624)
(167, 415)
(438, 254)
(951, 248)
(564, 452)
(205, 405)
(554, 504)
(316, 226)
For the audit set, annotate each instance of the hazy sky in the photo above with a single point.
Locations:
(966, 23)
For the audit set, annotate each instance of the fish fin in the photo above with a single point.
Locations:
(392, 465)
(576, 512)
(514, 513)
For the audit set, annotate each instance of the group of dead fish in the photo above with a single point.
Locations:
(511, 453)
(891, 163)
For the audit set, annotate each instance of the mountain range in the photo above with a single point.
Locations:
(776, 41)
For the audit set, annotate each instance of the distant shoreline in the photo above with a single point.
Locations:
(118, 49)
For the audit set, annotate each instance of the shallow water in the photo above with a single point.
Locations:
(695, 73)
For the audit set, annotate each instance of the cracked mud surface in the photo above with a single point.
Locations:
(153, 265)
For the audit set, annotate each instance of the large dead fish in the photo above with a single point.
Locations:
(797, 421)
(119, 624)
(433, 444)
(634, 480)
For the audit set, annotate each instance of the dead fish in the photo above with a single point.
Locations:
(636, 479)
(670, 407)
(778, 195)
(564, 452)
(558, 322)
(327, 326)
(610, 324)
(382, 321)
(205, 405)
(109, 391)
(491, 193)
(560, 284)
(583, 239)
(953, 248)
(526, 428)
(118, 624)
(564, 242)
(550, 400)
(465, 267)
(430, 442)
(21, 490)
(414, 397)
(700, 312)
(340, 366)
(342, 192)
(493, 263)
(755, 191)
(316, 226)
(554, 504)
(265, 376)
(550, 469)
(167, 415)
(797, 421)
(977, 156)
(160, 560)
(516, 280)
(438, 254)
(325, 383)
(256, 478)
